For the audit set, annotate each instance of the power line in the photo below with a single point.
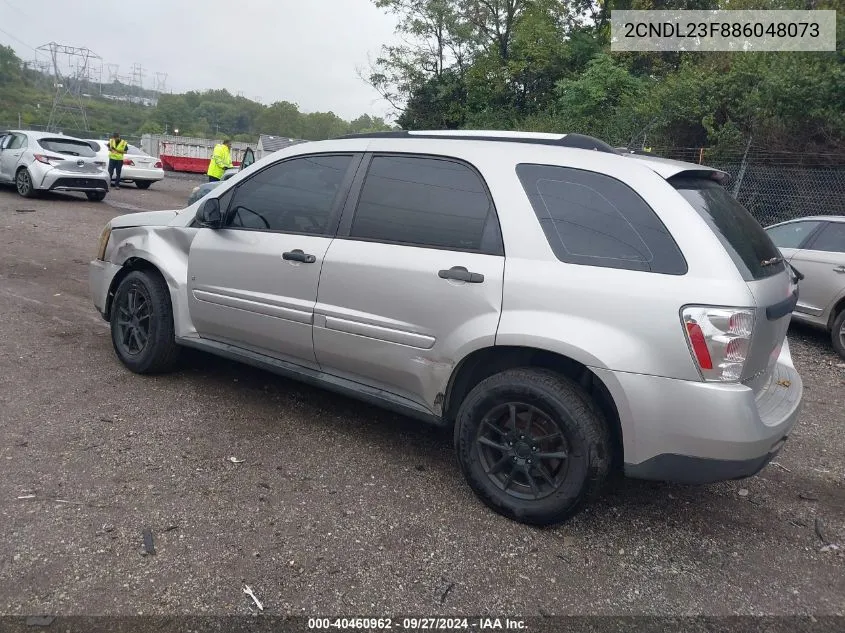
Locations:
(17, 40)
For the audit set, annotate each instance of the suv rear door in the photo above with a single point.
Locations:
(253, 283)
(413, 281)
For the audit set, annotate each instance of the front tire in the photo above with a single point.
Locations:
(532, 446)
(142, 324)
(837, 334)
(23, 183)
(96, 196)
(143, 184)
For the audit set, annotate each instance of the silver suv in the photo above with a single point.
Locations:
(569, 310)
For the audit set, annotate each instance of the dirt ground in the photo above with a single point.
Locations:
(338, 507)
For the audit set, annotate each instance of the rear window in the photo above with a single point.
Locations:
(67, 147)
(595, 220)
(748, 244)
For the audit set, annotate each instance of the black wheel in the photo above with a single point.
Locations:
(23, 183)
(837, 334)
(532, 446)
(143, 184)
(96, 196)
(142, 324)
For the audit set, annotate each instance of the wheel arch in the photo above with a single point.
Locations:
(838, 306)
(130, 265)
(485, 362)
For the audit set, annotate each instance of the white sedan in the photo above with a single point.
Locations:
(138, 166)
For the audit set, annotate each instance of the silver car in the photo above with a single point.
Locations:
(815, 246)
(569, 311)
(40, 161)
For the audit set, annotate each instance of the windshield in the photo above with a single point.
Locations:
(67, 146)
(136, 151)
(748, 244)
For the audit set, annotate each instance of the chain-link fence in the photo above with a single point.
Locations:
(777, 186)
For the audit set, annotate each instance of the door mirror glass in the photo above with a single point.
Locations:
(209, 215)
(249, 158)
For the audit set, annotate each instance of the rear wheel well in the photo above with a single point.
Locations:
(130, 265)
(486, 362)
(840, 305)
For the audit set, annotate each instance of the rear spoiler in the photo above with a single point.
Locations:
(706, 173)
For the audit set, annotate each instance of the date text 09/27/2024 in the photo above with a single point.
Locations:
(417, 624)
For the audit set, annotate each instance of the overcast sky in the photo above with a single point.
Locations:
(303, 51)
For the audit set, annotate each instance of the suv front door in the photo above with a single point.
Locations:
(413, 282)
(253, 283)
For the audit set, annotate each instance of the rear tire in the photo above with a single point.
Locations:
(23, 183)
(96, 196)
(532, 445)
(142, 324)
(143, 184)
(837, 334)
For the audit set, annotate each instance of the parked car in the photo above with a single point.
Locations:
(42, 161)
(202, 190)
(815, 246)
(138, 166)
(567, 310)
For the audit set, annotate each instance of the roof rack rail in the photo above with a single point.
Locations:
(577, 141)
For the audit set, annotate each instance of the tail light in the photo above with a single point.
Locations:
(158, 165)
(43, 158)
(719, 340)
(127, 161)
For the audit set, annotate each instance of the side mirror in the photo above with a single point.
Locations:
(209, 215)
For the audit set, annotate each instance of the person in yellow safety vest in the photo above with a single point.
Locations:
(117, 150)
(221, 160)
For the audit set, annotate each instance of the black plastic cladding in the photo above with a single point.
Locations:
(578, 141)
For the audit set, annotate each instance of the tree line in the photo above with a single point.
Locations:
(27, 95)
(546, 65)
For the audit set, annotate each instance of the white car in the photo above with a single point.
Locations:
(43, 161)
(138, 166)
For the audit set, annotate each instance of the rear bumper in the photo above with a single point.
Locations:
(139, 173)
(57, 180)
(697, 432)
(100, 277)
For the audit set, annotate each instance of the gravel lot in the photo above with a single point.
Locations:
(340, 508)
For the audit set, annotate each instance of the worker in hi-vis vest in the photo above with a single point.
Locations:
(117, 150)
(221, 160)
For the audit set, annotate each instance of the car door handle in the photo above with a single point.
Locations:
(460, 273)
(840, 269)
(296, 255)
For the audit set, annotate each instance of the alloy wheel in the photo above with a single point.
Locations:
(523, 451)
(134, 320)
(23, 182)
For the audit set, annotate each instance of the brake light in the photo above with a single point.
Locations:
(158, 165)
(127, 161)
(43, 158)
(719, 339)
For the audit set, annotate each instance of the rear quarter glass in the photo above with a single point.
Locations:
(593, 219)
(749, 246)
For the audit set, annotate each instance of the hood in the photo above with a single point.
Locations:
(144, 218)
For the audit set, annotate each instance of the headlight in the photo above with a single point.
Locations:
(104, 242)
(195, 189)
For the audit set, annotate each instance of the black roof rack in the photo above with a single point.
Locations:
(578, 141)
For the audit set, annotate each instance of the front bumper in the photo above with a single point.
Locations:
(696, 432)
(100, 277)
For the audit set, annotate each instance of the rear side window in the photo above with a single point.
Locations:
(748, 244)
(831, 239)
(595, 220)
(67, 147)
(424, 201)
(791, 235)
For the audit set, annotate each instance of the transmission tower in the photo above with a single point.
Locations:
(70, 70)
(136, 84)
(161, 83)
